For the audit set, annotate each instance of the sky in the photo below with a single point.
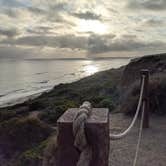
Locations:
(81, 28)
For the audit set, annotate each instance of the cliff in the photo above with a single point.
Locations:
(156, 64)
(26, 129)
(130, 83)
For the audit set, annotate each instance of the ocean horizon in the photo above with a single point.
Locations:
(20, 79)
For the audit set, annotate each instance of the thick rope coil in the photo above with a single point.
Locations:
(123, 134)
(80, 140)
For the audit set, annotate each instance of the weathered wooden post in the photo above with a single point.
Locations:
(97, 131)
(145, 72)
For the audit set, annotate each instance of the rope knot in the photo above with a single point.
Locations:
(80, 139)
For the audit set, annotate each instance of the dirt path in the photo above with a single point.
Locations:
(153, 143)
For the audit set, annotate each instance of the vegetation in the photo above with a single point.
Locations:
(19, 134)
(130, 84)
(25, 128)
(157, 96)
(33, 156)
(24, 135)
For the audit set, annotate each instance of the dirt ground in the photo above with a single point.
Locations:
(153, 142)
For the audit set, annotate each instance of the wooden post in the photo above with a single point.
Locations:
(97, 130)
(145, 72)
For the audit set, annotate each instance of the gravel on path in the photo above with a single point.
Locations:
(152, 150)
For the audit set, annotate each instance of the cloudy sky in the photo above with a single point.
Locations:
(81, 28)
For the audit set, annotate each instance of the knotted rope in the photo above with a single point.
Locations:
(80, 139)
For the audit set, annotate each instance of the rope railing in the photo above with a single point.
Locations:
(124, 133)
(140, 134)
(80, 140)
(144, 122)
(83, 133)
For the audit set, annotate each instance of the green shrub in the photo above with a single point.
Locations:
(34, 155)
(36, 105)
(108, 103)
(19, 134)
(56, 110)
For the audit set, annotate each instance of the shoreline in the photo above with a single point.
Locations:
(20, 100)
(33, 95)
(105, 89)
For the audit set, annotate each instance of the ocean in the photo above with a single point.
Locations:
(20, 79)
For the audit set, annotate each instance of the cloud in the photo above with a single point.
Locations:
(58, 6)
(21, 52)
(16, 12)
(39, 30)
(11, 3)
(13, 13)
(155, 5)
(128, 43)
(14, 52)
(87, 16)
(9, 32)
(76, 25)
(153, 22)
(37, 11)
(63, 41)
(94, 44)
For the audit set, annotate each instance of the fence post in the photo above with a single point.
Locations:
(97, 131)
(145, 72)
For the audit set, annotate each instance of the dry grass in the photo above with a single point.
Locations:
(157, 95)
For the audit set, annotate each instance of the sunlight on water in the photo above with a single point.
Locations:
(91, 69)
(22, 78)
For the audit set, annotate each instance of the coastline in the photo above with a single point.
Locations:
(36, 94)
(18, 98)
(104, 89)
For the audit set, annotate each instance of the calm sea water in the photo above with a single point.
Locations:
(22, 78)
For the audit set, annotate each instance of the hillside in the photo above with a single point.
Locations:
(131, 81)
(28, 129)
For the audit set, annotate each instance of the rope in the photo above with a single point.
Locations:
(123, 134)
(80, 140)
(139, 136)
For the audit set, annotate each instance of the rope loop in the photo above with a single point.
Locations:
(124, 133)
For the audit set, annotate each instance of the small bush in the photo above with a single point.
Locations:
(56, 110)
(34, 155)
(19, 134)
(36, 105)
(107, 102)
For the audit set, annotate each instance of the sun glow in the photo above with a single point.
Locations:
(94, 26)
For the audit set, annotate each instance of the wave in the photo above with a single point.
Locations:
(15, 98)
(11, 92)
(42, 82)
(40, 73)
